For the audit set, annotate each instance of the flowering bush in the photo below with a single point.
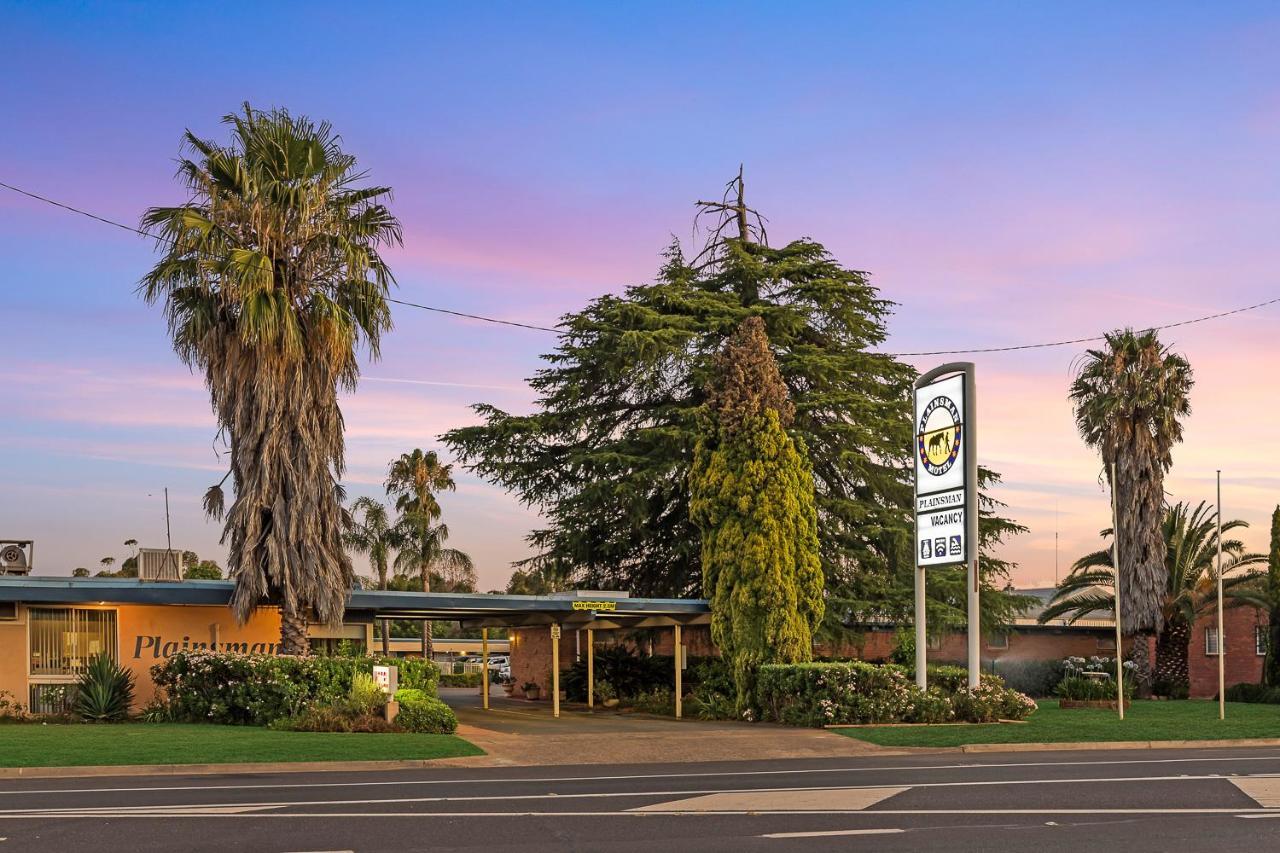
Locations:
(255, 690)
(1092, 679)
(816, 694)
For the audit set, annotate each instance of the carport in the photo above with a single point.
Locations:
(579, 610)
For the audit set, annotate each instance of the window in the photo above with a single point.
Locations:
(1260, 639)
(935, 642)
(1211, 640)
(997, 641)
(1106, 644)
(64, 639)
(8, 611)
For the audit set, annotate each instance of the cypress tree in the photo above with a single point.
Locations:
(606, 455)
(752, 498)
(1271, 665)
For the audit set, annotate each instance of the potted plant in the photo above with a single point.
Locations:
(508, 686)
(532, 691)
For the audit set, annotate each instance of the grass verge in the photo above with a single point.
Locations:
(36, 745)
(1188, 720)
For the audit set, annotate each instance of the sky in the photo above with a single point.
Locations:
(1007, 173)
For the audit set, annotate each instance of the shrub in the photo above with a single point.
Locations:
(420, 712)
(631, 674)
(660, 701)
(470, 679)
(816, 694)
(329, 718)
(1032, 677)
(1081, 688)
(1256, 693)
(229, 688)
(104, 692)
(366, 697)
(11, 710)
(714, 694)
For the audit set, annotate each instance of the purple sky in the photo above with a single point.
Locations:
(1007, 172)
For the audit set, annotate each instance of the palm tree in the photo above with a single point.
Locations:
(369, 532)
(132, 545)
(271, 280)
(1129, 399)
(413, 480)
(1190, 587)
(106, 563)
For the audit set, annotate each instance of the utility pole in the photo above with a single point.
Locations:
(1115, 562)
(1222, 651)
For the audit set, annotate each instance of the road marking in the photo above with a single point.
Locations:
(1263, 790)
(878, 813)
(808, 800)
(886, 831)
(682, 775)
(1255, 815)
(594, 795)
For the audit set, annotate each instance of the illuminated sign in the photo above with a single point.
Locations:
(595, 605)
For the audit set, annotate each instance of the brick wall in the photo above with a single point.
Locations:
(531, 649)
(1037, 644)
(1243, 663)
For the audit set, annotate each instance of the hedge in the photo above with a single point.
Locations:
(255, 690)
(422, 712)
(1256, 693)
(817, 694)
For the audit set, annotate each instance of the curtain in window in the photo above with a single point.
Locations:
(64, 639)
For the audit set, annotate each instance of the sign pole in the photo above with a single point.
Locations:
(555, 670)
(1222, 650)
(922, 633)
(1115, 564)
(971, 523)
(591, 669)
(484, 667)
(679, 656)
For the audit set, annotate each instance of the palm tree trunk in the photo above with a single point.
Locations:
(1172, 671)
(293, 631)
(386, 638)
(1141, 672)
(426, 623)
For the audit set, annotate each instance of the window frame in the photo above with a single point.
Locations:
(1261, 636)
(1211, 641)
(112, 644)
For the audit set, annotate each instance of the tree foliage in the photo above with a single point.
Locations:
(606, 455)
(1190, 538)
(752, 498)
(271, 278)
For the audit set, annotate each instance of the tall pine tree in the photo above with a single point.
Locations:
(606, 456)
(752, 499)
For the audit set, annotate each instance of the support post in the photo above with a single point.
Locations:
(591, 669)
(1115, 564)
(922, 633)
(484, 668)
(679, 655)
(971, 523)
(1222, 649)
(555, 670)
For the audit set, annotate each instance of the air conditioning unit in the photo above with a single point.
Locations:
(159, 564)
(16, 555)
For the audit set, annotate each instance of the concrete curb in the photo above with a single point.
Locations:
(1107, 746)
(248, 767)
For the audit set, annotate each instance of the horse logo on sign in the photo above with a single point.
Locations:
(938, 435)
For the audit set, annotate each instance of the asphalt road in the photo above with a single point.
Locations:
(1157, 800)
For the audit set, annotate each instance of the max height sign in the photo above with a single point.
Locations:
(945, 450)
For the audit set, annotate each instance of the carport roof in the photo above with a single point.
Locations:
(601, 610)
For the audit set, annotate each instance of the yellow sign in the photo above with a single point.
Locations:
(555, 632)
(595, 605)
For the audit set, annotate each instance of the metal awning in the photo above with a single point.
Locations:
(600, 611)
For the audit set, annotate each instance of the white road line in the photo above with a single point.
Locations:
(687, 792)
(1260, 814)
(685, 775)
(830, 832)
(878, 813)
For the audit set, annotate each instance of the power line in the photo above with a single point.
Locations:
(151, 236)
(465, 315)
(1085, 340)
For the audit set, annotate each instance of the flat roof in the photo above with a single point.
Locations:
(615, 610)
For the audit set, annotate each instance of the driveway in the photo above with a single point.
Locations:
(518, 732)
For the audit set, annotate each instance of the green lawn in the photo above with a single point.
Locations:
(34, 745)
(1189, 720)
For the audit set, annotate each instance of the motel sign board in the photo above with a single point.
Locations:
(946, 494)
(940, 461)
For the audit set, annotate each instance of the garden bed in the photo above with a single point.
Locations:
(1103, 704)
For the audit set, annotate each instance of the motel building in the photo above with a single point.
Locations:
(50, 627)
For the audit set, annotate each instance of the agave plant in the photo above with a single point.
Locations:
(104, 692)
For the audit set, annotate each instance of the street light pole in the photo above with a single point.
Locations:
(1115, 563)
(1222, 651)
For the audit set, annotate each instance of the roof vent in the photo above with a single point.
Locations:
(159, 564)
(15, 556)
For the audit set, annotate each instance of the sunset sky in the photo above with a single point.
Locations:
(1007, 172)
